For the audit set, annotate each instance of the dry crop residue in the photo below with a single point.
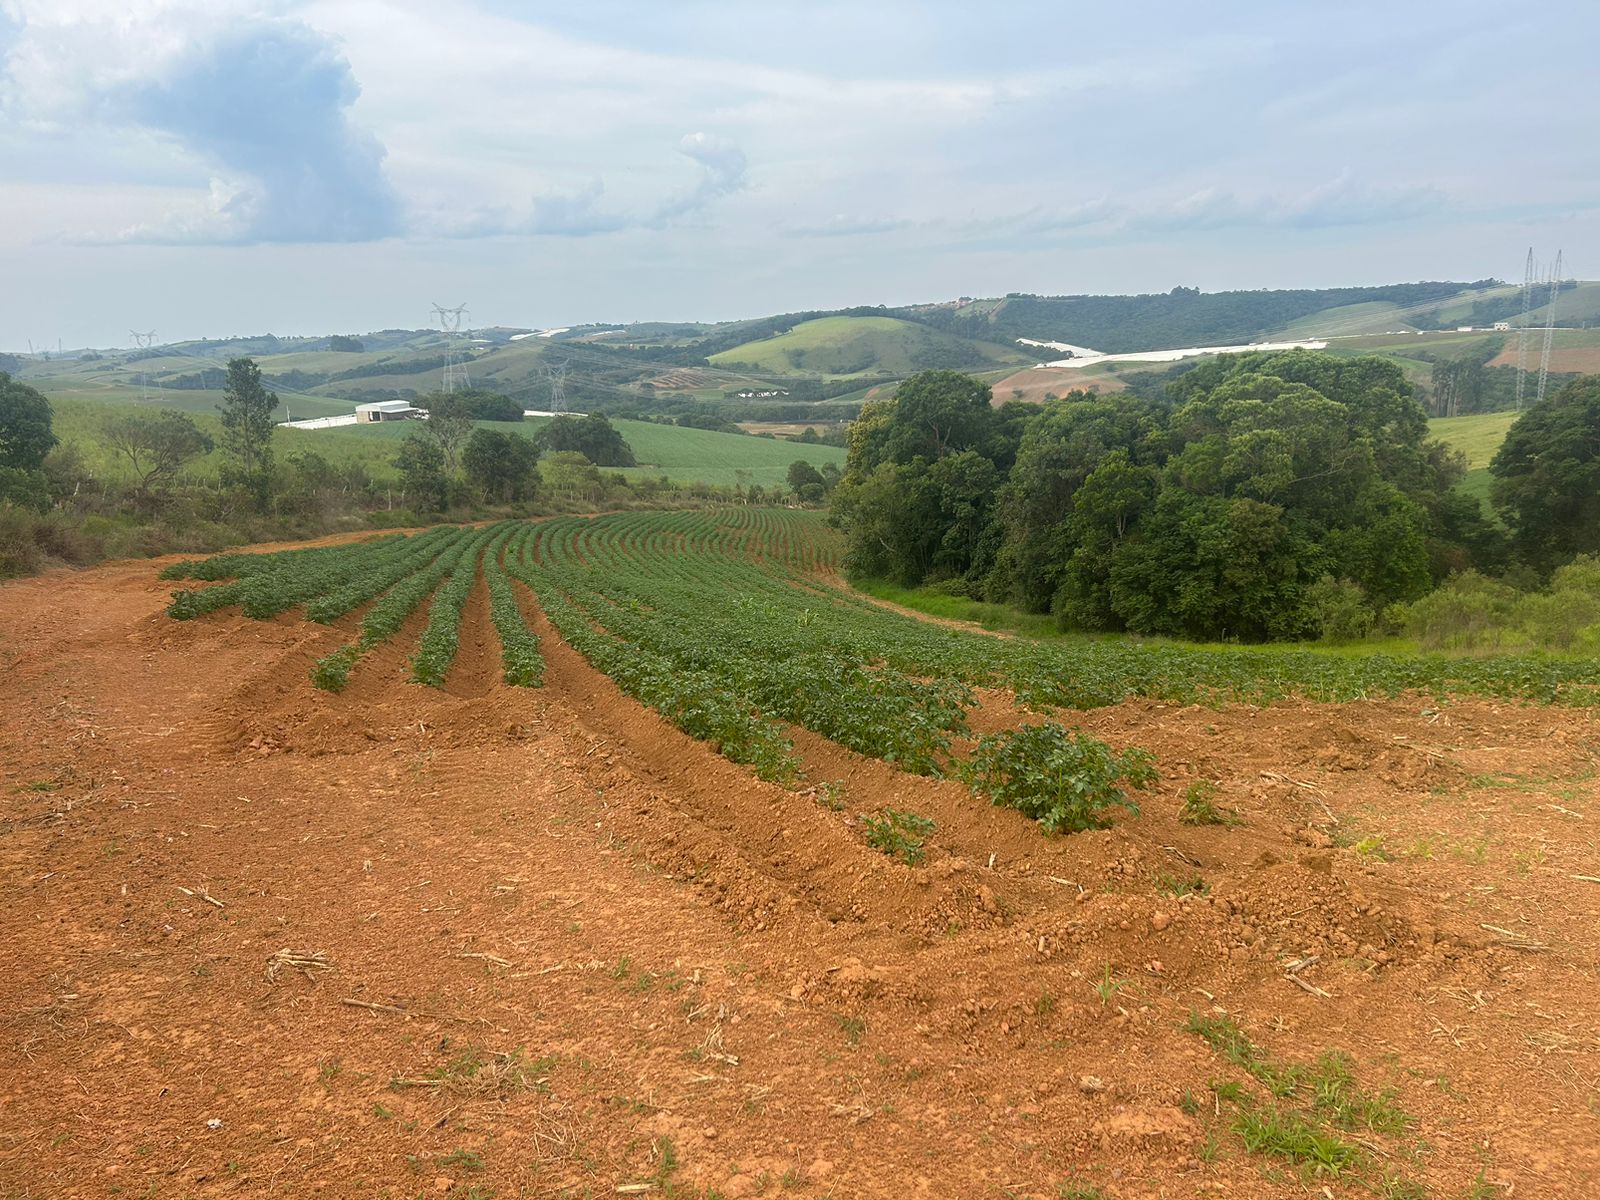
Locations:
(266, 940)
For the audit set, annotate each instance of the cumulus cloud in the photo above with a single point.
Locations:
(722, 172)
(258, 105)
(574, 214)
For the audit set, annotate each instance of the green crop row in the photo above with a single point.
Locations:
(521, 663)
(693, 700)
(440, 640)
(384, 619)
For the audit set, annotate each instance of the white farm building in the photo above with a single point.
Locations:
(388, 410)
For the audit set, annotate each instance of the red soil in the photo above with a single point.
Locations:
(1035, 383)
(684, 954)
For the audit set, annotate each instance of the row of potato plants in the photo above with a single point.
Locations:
(692, 700)
(396, 574)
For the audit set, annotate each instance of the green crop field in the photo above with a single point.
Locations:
(730, 624)
(683, 455)
(858, 345)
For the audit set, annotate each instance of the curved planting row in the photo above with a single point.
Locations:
(396, 574)
(741, 603)
(695, 701)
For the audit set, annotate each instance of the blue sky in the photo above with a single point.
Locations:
(212, 167)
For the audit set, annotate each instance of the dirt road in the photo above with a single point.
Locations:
(262, 940)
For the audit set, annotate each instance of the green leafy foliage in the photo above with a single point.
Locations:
(442, 637)
(898, 834)
(1199, 806)
(521, 663)
(26, 434)
(1065, 781)
(1265, 496)
(592, 436)
(246, 411)
(1547, 476)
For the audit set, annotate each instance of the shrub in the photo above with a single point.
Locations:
(1065, 781)
(1339, 609)
(1469, 610)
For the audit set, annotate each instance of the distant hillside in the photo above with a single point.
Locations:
(1171, 320)
(865, 345)
(816, 365)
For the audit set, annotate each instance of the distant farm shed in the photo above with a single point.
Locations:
(388, 410)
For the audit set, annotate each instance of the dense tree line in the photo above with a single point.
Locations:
(475, 404)
(1257, 496)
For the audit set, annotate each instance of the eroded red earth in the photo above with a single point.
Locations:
(262, 940)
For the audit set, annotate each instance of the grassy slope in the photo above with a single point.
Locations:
(1574, 306)
(856, 345)
(1005, 618)
(121, 394)
(1478, 437)
(1375, 316)
(688, 455)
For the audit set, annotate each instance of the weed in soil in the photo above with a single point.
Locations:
(898, 834)
(1199, 806)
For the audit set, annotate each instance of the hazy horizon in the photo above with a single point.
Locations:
(305, 167)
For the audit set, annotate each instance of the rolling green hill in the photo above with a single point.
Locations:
(814, 365)
(864, 345)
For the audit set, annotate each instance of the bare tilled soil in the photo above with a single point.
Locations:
(486, 941)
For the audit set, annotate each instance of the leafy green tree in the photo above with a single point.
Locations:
(156, 445)
(802, 473)
(592, 436)
(476, 404)
(1547, 476)
(1212, 567)
(25, 433)
(449, 428)
(964, 485)
(892, 521)
(420, 462)
(570, 473)
(937, 413)
(1058, 452)
(247, 408)
(1105, 510)
(503, 466)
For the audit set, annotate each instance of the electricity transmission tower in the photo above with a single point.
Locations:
(557, 374)
(1522, 329)
(455, 371)
(1549, 325)
(143, 341)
